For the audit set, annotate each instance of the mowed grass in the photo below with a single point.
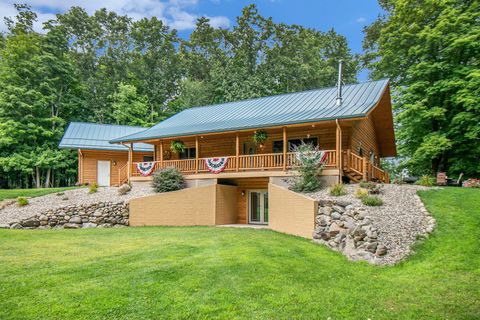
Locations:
(15, 193)
(226, 273)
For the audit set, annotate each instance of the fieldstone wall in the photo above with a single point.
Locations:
(97, 215)
(348, 229)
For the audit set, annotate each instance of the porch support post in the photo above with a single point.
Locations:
(161, 154)
(197, 151)
(339, 150)
(284, 148)
(364, 169)
(237, 152)
(130, 158)
(80, 166)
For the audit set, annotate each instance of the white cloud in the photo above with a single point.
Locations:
(176, 13)
(361, 19)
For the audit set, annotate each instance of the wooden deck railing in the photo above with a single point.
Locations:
(269, 161)
(123, 174)
(353, 163)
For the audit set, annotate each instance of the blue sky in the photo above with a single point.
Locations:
(347, 17)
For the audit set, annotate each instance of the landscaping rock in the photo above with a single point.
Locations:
(89, 225)
(380, 235)
(71, 226)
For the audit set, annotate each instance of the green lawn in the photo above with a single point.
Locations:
(202, 272)
(14, 193)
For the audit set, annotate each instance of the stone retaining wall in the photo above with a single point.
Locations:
(98, 215)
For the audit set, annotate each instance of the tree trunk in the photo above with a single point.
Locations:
(37, 177)
(47, 178)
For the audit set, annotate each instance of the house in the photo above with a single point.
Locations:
(231, 179)
(98, 160)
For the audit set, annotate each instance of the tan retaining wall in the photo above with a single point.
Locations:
(201, 206)
(290, 212)
(226, 211)
(187, 207)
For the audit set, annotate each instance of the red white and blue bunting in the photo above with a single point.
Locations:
(315, 156)
(216, 165)
(145, 168)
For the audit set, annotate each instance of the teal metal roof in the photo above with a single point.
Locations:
(93, 136)
(292, 108)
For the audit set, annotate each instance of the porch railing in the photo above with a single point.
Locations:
(268, 161)
(357, 166)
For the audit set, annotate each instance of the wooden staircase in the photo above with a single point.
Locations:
(357, 168)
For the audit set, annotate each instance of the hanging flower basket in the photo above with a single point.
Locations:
(216, 165)
(259, 138)
(177, 146)
(145, 168)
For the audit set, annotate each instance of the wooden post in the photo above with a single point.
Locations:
(348, 159)
(285, 142)
(339, 149)
(364, 169)
(80, 166)
(130, 158)
(237, 152)
(161, 154)
(197, 151)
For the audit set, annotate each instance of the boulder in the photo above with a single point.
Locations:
(71, 226)
(336, 215)
(381, 250)
(30, 223)
(339, 209)
(89, 225)
(75, 219)
(343, 203)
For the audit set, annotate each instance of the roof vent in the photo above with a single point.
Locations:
(339, 84)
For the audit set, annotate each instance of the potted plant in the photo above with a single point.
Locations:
(259, 138)
(177, 146)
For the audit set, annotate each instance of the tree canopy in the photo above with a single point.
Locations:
(107, 68)
(430, 50)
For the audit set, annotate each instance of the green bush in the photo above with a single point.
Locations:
(426, 181)
(22, 201)
(338, 190)
(361, 192)
(93, 187)
(372, 201)
(366, 184)
(169, 179)
(309, 166)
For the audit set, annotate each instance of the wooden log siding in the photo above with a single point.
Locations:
(88, 164)
(364, 136)
(225, 145)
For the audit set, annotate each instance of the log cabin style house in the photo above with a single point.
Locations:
(219, 151)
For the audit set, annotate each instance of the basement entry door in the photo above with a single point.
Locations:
(258, 207)
(103, 173)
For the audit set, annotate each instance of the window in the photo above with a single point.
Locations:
(188, 153)
(147, 158)
(278, 145)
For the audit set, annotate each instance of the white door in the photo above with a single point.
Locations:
(103, 173)
(258, 207)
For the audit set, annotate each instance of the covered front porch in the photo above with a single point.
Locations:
(274, 157)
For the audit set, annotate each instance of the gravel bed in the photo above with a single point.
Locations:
(400, 220)
(80, 196)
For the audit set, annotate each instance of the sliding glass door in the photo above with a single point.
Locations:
(258, 207)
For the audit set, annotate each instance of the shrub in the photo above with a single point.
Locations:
(372, 201)
(338, 190)
(169, 179)
(309, 162)
(22, 201)
(375, 189)
(124, 189)
(426, 181)
(361, 192)
(93, 188)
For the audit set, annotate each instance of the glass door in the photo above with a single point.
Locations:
(258, 207)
